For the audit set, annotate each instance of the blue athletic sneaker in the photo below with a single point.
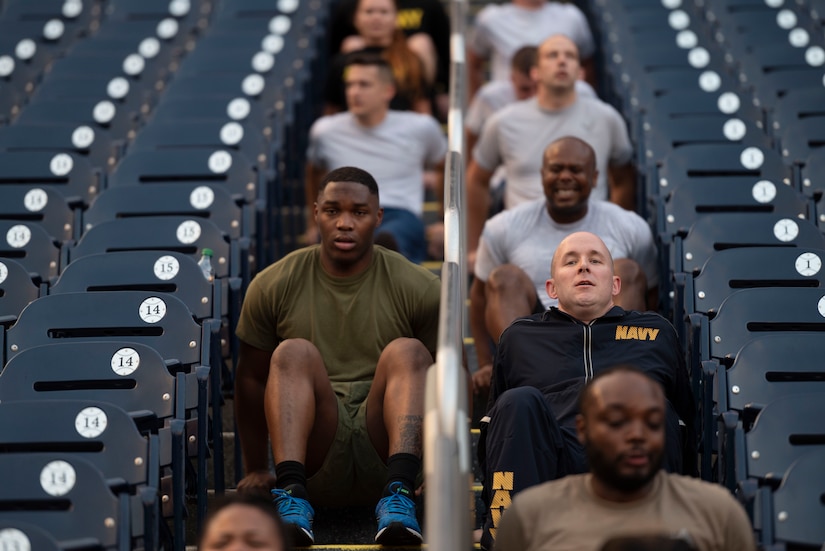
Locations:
(297, 515)
(395, 514)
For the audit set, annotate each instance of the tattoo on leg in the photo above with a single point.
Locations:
(409, 432)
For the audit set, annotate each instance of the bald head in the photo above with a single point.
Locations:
(581, 241)
(571, 147)
(556, 41)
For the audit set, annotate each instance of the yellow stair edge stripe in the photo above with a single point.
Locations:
(432, 264)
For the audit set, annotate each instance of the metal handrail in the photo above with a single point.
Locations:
(446, 432)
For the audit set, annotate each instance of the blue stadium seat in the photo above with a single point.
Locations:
(97, 431)
(43, 206)
(68, 173)
(69, 498)
(30, 245)
(17, 290)
(25, 535)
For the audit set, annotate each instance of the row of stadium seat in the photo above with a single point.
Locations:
(734, 196)
(144, 134)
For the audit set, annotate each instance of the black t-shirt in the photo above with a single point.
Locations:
(414, 16)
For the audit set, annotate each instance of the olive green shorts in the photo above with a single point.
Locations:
(352, 473)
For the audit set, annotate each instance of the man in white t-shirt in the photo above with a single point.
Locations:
(516, 136)
(501, 29)
(394, 146)
(517, 245)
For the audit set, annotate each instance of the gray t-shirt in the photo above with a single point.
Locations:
(517, 135)
(395, 152)
(527, 237)
(500, 30)
(499, 93)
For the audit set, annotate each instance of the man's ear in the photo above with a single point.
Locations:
(379, 217)
(550, 287)
(617, 285)
(580, 428)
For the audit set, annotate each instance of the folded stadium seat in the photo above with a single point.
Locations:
(174, 274)
(219, 166)
(785, 430)
(158, 320)
(663, 134)
(795, 105)
(99, 432)
(69, 498)
(801, 138)
(718, 161)
(200, 200)
(43, 206)
(746, 314)
(793, 514)
(17, 290)
(30, 245)
(95, 144)
(765, 369)
(190, 15)
(136, 378)
(111, 120)
(25, 535)
(68, 173)
(207, 134)
(811, 174)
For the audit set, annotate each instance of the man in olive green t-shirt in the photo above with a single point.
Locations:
(335, 343)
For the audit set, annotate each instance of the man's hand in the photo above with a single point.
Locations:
(481, 379)
(258, 482)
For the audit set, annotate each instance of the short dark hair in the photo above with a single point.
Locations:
(524, 59)
(366, 59)
(586, 392)
(350, 174)
(263, 503)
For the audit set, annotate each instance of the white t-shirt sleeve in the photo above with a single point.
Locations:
(621, 150)
(584, 38)
(480, 38)
(476, 114)
(491, 248)
(436, 142)
(486, 152)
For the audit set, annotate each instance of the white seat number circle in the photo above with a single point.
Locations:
(4, 272)
(280, 24)
(188, 232)
(166, 267)
(35, 200)
(734, 130)
(728, 103)
(202, 197)
(125, 361)
(764, 191)
(12, 539)
(117, 88)
(58, 478)
(752, 158)
(219, 162)
(91, 422)
(104, 112)
(710, 81)
(238, 109)
(18, 236)
(272, 43)
(152, 310)
(83, 137)
(253, 85)
(61, 164)
(231, 133)
(786, 230)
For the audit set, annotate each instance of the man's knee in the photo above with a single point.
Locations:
(517, 402)
(508, 280)
(296, 355)
(405, 351)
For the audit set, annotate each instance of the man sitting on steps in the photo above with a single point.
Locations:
(336, 340)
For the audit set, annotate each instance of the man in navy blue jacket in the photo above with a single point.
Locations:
(543, 361)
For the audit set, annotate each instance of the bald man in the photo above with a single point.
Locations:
(543, 361)
(622, 429)
(516, 247)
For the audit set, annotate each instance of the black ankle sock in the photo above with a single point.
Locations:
(291, 475)
(404, 468)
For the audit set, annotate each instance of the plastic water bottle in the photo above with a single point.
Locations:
(205, 264)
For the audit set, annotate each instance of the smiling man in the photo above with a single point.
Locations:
(543, 361)
(335, 340)
(626, 494)
(516, 135)
(516, 247)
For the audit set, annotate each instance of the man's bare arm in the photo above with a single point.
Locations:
(623, 186)
(251, 375)
(481, 336)
(478, 205)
